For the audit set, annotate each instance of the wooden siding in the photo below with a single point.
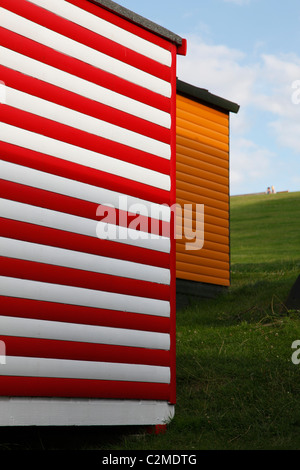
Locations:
(202, 177)
(88, 100)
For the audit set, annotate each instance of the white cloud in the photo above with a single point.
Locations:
(287, 134)
(264, 90)
(277, 76)
(250, 165)
(219, 69)
(266, 84)
(280, 74)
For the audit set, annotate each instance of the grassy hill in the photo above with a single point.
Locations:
(265, 226)
(237, 387)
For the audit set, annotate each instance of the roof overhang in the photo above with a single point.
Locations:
(204, 96)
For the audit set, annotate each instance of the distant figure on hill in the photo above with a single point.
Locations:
(273, 190)
(268, 190)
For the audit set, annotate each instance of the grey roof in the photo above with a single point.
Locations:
(204, 96)
(139, 20)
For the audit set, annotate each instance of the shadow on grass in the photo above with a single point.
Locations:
(239, 393)
(258, 292)
(36, 438)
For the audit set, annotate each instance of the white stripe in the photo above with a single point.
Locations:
(106, 29)
(64, 368)
(82, 87)
(25, 289)
(2, 92)
(83, 261)
(81, 52)
(72, 153)
(62, 331)
(30, 411)
(74, 224)
(83, 122)
(86, 192)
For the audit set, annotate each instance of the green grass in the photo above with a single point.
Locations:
(265, 229)
(237, 387)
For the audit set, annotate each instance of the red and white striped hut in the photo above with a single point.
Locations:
(87, 167)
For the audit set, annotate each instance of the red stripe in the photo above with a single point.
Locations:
(72, 350)
(43, 272)
(69, 205)
(109, 388)
(85, 36)
(48, 56)
(81, 104)
(115, 19)
(41, 310)
(81, 388)
(70, 135)
(74, 171)
(72, 241)
(172, 237)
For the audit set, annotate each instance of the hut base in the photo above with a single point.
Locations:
(15, 411)
(189, 292)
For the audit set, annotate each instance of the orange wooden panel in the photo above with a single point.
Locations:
(210, 231)
(187, 197)
(217, 229)
(193, 136)
(187, 214)
(200, 129)
(202, 121)
(212, 216)
(208, 245)
(208, 237)
(202, 110)
(208, 150)
(205, 253)
(203, 278)
(209, 191)
(208, 210)
(202, 177)
(203, 270)
(211, 263)
(193, 175)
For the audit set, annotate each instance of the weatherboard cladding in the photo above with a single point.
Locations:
(202, 177)
(87, 119)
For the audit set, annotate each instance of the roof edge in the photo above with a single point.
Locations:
(203, 95)
(140, 21)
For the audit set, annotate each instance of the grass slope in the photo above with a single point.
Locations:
(237, 387)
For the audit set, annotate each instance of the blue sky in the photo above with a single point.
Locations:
(246, 51)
